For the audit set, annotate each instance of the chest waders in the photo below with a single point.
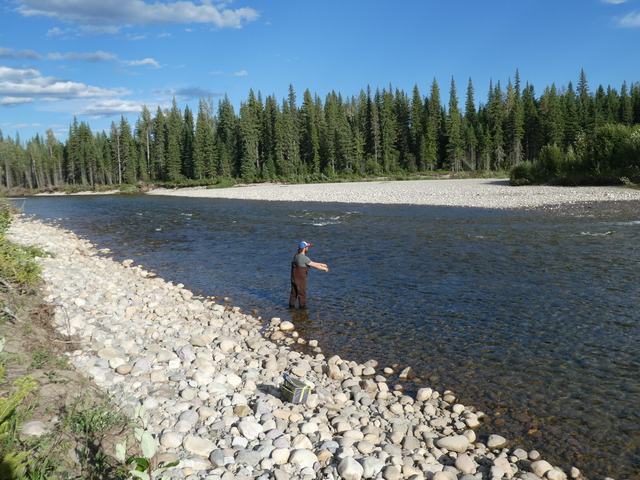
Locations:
(298, 285)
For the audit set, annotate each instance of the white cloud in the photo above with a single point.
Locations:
(90, 57)
(241, 73)
(186, 92)
(105, 108)
(217, 72)
(15, 74)
(614, 2)
(630, 20)
(99, 13)
(29, 84)
(147, 61)
(14, 101)
(18, 55)
(54, 32)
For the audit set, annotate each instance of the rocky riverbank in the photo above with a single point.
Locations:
(481, 193)
(210, 378)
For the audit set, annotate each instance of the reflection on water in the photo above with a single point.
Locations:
(530, 316)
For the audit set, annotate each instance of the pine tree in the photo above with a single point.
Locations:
(187, 143)
(515, 122)
(626, 106)
(586, 111)
(551, 117)
(144, 127)
(571, 119)
(417, 121)
(532, 135)
(434, 128)
(454, 131)
(496, 118)
(204, 154)
(470, 128)
(249, 127)
(388, 131)
(159, 135)
(173, 166)
(226, 138)
(310, 133)
(129, 154)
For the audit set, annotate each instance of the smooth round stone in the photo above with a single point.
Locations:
(541, 467)
(391, 473)
(302, 442)
(227, 345)
(357, 435)
(309, 428)
(286, 326)
(198, 445)
(496, 441)
(280, 456)
(365, 447)
(465, 464)
(350, 469)
(456, 443)
(189, 416)
(249, 430)
(124, 369)
(303, 458)
(503, 464)
(371, 467)
(171, 440)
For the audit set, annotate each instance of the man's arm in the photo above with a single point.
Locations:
(319, 266)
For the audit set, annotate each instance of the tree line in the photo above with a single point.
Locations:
(374, 133)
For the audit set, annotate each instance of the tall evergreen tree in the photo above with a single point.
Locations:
(204, 154)
(187, 143)
(496, 119)
(173, 166)
(551, 117)
(418, 131)
(144, 127)
(249, 127)
(434, 128)
(515, 122)
(159, 146)
(470, 128)
(455, 148)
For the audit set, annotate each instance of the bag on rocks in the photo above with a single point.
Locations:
(294, 390)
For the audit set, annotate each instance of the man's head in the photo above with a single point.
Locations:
(303, 246)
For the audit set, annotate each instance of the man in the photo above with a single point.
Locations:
(299, 269)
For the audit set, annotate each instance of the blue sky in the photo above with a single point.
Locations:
(99, 59)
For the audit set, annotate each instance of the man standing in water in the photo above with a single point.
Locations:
(299, 269)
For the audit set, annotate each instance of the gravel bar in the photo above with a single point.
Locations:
(481, 193)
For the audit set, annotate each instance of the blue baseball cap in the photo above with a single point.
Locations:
(304, 245)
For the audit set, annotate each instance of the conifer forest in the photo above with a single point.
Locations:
(558, 132)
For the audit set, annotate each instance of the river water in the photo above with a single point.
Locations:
(532, 316)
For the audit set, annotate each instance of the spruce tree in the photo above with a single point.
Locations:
(204, 155)
(434, 128)
(187, 143)
(173, 167)
(454, 131)
(470, 128)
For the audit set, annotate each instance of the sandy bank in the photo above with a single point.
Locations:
(483, 193)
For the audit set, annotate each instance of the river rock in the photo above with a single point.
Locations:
(456, 443)
(303, 458)
(495, 442)
(465, 464)
(541, 467)
(198, 445)
(350, 469)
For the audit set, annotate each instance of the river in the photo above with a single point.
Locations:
(532, 316)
